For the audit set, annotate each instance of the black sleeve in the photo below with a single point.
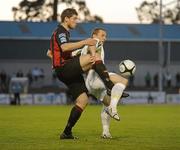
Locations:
(61, 38)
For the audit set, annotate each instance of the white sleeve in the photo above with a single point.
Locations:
(76, 52)
(97, 42)
(102, 53)
(84, 50)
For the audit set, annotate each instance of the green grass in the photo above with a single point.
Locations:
(151, 127)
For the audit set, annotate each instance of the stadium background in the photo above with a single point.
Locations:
(30, 41)
(24, 46)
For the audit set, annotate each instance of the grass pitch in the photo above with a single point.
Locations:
(151, 127)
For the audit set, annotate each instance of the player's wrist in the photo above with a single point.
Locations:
(84, 42)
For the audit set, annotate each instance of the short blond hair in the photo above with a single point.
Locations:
(96, 31)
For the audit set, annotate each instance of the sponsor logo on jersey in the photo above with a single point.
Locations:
(62, 37)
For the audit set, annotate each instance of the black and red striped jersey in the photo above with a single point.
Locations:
(59, 37)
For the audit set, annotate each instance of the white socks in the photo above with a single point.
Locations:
(116, 94)
(105, 119)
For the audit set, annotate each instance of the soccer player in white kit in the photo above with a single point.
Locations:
(97, 88)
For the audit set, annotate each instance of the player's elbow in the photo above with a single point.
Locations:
(50, 56)
(125, 81)
(49, 53)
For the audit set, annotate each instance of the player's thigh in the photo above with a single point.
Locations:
(115, 78)
(82, 100)
(87, 67)
(77, 87)
(86, 62)
(70, 71)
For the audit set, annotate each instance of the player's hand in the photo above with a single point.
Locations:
(90, 42)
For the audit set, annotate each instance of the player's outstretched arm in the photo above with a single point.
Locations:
(75, 45)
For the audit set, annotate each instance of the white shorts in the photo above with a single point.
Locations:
(95, 85)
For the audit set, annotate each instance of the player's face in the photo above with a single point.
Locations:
(72, 21)
(101, 35)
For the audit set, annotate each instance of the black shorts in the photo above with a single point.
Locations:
(71, 75)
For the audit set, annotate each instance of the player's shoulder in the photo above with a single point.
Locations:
(61, 28)
(62, 31)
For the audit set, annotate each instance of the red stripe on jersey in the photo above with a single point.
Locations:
(59, 57)
(56, 52)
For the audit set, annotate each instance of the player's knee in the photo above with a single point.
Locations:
(106, 100)
(86, 62)
(106, 103)
(125, 81)
(82, 102)
(122, 80)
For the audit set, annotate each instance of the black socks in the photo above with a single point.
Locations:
(73, 118)
(101, 70)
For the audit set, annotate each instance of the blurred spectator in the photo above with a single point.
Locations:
(19, 74)
(147, 79)
(30, 78)
(41, 73)
(168, 78)
(3, 81)
(35, 73)
(177, 79)
(16, 89)
(150, 99)
(164, 83)
(156, 78)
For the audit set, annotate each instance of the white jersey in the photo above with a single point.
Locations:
(93, 82)
(99, 49)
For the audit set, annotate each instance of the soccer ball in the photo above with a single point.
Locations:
(127, 68)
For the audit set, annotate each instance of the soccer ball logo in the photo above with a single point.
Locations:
(127, 68)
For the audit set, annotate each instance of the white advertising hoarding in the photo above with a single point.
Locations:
(144, 98)
(61, 98)
(173, 98)
(4, 99)
(29, 99)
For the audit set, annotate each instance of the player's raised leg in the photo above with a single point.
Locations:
(120, 84)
